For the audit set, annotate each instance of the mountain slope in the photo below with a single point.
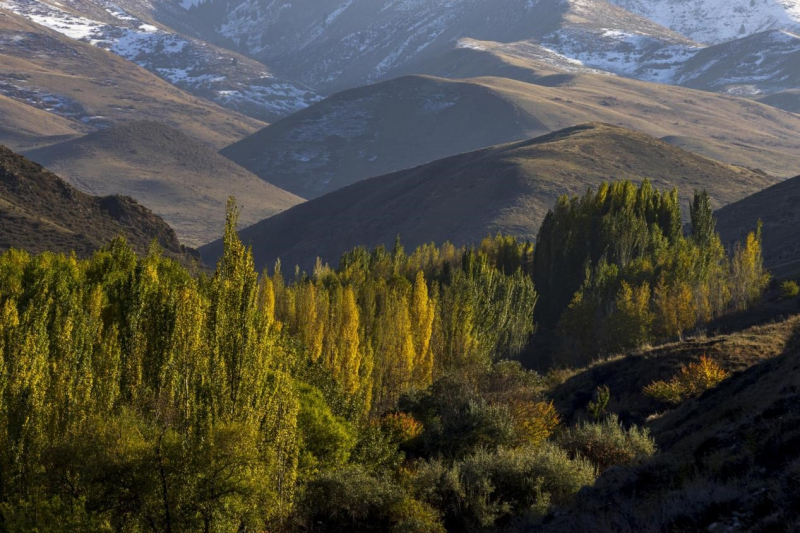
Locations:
(715, 21)
(408, 121)
(338, 44)
(95, 88)
(182, 180)
(464, 198)
(777, 208)
(762, 63)
(134, 31)
(40, 212)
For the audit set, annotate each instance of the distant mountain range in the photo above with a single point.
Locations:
(506, 188)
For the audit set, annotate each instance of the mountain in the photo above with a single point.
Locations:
(506, 188)
(777, 208)
(716, 21)
(24, 127)
(94, 88)
(40, 212)
(408, 121)
(182, 180)
(339, 44)
(377, 129)
(765, 62)
(137, 31)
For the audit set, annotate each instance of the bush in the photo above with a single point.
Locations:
(790, 289)
(534, 422)
(327, 439)
(487, 489)
(607, 443)
(692, 381)
(350, 499)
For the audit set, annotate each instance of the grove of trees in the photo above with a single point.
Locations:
(381, 395)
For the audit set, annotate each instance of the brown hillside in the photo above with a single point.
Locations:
(506, 188)
(779, 209)
(40, 212)
(97, 88)
(182, 180)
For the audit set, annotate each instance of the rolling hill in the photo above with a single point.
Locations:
(23, 127)
(413, 120)
(374, 130)
(182, 180)
(506, 188)
(777, 208)
(40, 212)
(95, 88)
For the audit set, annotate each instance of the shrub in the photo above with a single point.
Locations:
(598, 408)
(486, 489)
(607, 443)
(692, 380)
(534, 422)
(790, 289)
(350, 499)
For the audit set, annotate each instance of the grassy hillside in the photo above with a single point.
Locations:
(182, 180)
(728, 460)
(40, 212)
(413, 120)
(777, 208)
(464, 198)
(95, 88)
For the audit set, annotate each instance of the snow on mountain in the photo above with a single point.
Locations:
(758, 64)
(716, 21)
(205, 70)
(337, 44)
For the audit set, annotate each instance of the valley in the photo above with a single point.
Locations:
(401, 266)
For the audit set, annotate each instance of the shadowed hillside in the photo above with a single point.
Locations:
(40, 212)
(728, 460)
(779, 209)
(181, 179)
(464, 198)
